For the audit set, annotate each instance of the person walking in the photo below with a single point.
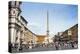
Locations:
(56, 45)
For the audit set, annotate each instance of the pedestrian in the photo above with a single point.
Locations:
(72, 44)
(75, 45)
(57, 46)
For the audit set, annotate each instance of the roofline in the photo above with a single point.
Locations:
(24, 19)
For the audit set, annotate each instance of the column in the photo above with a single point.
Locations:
(12, 36)
(18, 39)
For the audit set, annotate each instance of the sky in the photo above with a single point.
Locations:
(61, 16)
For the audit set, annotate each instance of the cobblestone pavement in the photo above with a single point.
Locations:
(40, 49)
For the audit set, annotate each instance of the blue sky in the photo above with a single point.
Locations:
(61, 16)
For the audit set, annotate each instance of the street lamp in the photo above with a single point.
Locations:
(47, 27)
(69, 34)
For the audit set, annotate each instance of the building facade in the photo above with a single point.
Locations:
(19, 34)
(14, 22)
(41, 39)
(29, 37)
(70, 34)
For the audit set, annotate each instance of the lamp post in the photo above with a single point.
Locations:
(47, 27)
(69, 34)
